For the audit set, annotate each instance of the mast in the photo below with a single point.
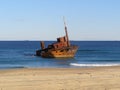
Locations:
(68, 42)
(42, 45)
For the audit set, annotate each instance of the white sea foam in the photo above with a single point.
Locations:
(93, 65)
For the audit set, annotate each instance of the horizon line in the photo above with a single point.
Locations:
(55, 40)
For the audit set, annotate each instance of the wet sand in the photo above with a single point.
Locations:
(102, 78)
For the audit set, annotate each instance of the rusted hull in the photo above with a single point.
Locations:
(65, 52)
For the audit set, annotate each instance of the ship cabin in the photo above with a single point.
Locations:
(61, 43)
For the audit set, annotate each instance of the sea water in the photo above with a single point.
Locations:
(21, 54)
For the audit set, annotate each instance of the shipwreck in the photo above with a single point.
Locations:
(62, 48)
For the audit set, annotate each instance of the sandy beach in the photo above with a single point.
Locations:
(102, 78)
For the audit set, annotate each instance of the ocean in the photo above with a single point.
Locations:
(21, 54)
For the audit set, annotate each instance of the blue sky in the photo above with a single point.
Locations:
(43, 19)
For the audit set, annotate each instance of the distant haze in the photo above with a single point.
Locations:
(43, 19)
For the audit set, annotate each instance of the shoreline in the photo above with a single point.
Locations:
(73, 65)
(100, 78)
(76, 67)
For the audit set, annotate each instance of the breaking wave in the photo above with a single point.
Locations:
(93, 65)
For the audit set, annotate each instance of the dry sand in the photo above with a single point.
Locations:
(104, 78)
